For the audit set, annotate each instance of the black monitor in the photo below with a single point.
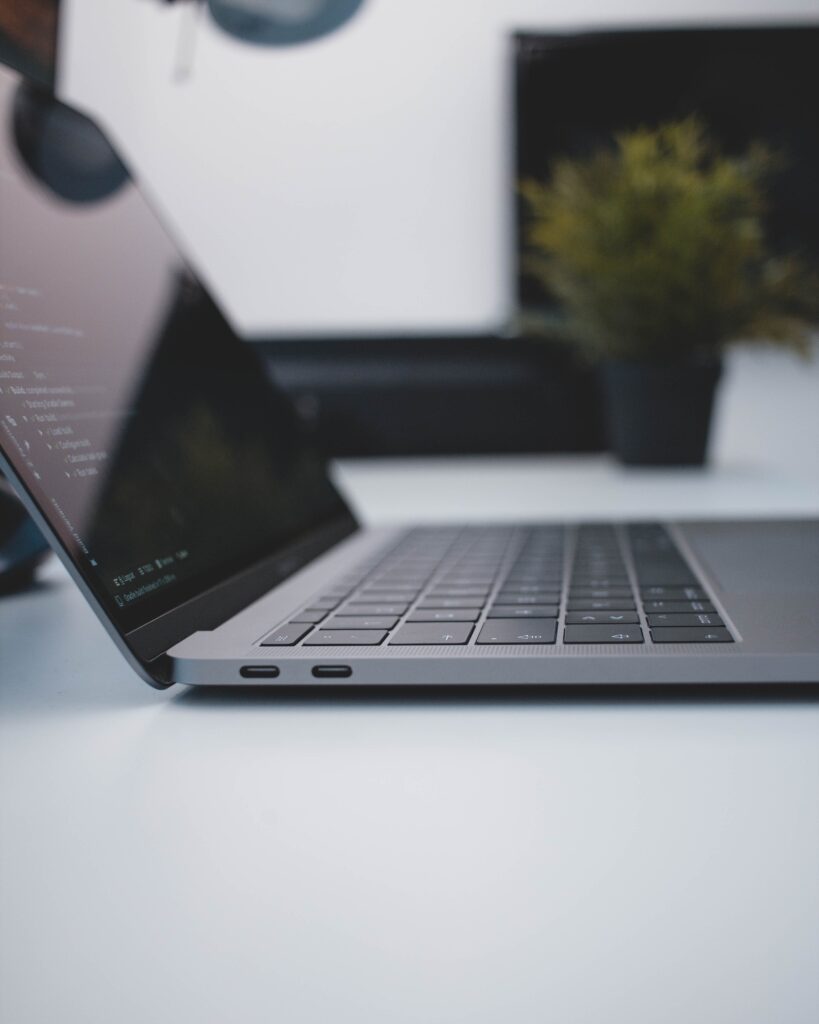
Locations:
(574, 91)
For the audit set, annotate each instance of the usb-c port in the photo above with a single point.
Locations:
(258, 671)
(332, 671)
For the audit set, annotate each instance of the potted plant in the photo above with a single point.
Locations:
(655, 250)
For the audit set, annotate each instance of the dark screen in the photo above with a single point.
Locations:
(574, 92)
(144, 430)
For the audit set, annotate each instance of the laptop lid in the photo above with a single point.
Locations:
(143, 435)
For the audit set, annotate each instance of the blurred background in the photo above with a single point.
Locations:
(351, 196)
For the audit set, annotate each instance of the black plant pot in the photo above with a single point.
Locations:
(659, 414)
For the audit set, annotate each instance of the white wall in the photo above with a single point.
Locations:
(359, 183)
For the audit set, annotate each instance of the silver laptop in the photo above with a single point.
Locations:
(175, 483)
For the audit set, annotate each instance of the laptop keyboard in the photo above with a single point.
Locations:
(594, 584)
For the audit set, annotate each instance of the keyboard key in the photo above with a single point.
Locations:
(536, 576)
(513, 631)
(362, 608)
(602, 635)
(397, 583)
(580, 580)
(686, 619)
(674, 607)
(599, 593)
(674, 593)
(537, 597)
(420, 633)
(398, 579)
(457, 586)
(588, 604)
(522, 611)
(656, 559)
(311, 615)
(402, 598)
(446, 602)
(361, 622)
(445, 615)
(601, 618)
(664, 574)
(464, 596)
(692, 635)
(536, 581)
(390, 586)
(345, 638)
(530, 588)
(467, 581)
(286, 636)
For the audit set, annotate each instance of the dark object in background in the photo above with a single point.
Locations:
(573, 91)
(659, 413)
(63, 149)
(281, 22)
(22, 546)
(440, 395)
(28, 38)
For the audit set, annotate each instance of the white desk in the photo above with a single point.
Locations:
(196, 857)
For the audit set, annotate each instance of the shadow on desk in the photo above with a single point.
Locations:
(228, 697)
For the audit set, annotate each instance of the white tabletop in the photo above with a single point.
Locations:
(205, 857)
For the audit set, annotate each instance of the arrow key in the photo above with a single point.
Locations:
(598, 634)
(601, 618)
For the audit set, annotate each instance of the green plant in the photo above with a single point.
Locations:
(656, 249)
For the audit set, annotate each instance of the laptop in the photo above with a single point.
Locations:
(179, 488)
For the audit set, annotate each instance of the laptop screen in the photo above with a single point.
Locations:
(145, 432)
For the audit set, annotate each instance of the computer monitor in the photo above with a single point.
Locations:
(574, 91)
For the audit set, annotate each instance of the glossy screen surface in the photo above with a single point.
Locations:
(146, 433)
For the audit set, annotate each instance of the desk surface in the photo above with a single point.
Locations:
(187, 856)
